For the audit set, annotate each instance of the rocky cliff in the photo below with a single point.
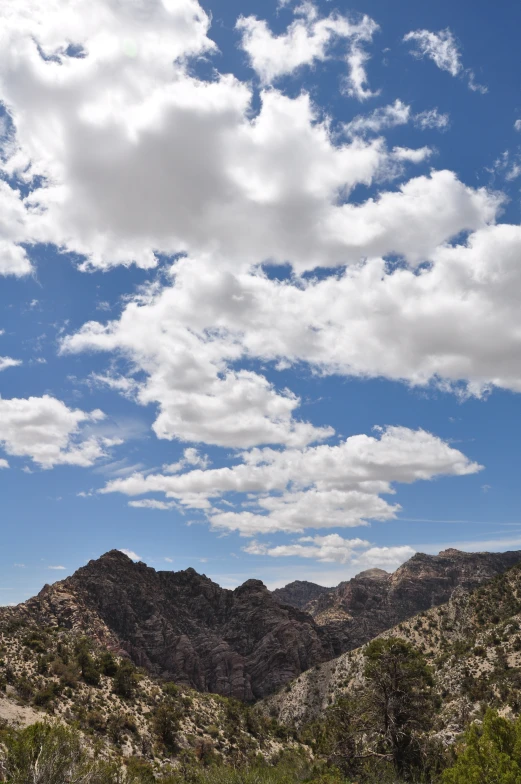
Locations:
(184, 627)
(472, 643)
(301, 594)
(357, 610)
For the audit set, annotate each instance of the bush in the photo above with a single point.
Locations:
(490, 753)
(108, 665)
(125, 679)
(50, 755)
(166, 725)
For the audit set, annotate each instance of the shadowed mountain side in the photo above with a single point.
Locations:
(184, 627)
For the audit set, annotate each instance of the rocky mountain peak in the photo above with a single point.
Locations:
(184, 627)
(373, 574)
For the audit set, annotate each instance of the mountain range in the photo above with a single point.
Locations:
(248, 642)
(245, 671)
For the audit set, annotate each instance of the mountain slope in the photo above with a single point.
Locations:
(184, 627)
(54, 674)
(361, 608)
(473, 643)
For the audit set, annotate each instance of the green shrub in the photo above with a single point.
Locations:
(489, 754)
(125, 679)
(51, 754)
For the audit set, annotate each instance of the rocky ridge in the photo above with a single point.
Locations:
(360, 609)
(183, 627)
(472, 642)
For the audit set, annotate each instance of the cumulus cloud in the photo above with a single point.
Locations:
(388, 558)
(191, 457)
(50, 433)
(129, 111)
(333, 548)
(3, 463)
(327, 549)
(316, 487)
(8, 362)
(453, 323)
(308, 39)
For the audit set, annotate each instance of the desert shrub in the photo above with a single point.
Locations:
(45, 696)
(24, 688)
(165, 724)
(36, 641)
(108, 664)
(170, 689)
(45, 754)
(125, 679)
(89, 668)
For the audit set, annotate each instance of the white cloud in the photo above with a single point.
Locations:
(413, 156)
(388, 558)
(204, 162)
(517, 125)
(307, 39)
(356, 82)
(333, 548)
(191, 457)
(431, 118)
(152, 503)
(8, 362)
(326, 549)
(475, 86)
(440, 47)
(380, 119)
(317, 487)
(131, 554)
(3, 463)
(47, 431)
(57, 568)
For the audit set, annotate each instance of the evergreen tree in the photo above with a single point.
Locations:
(490, 753)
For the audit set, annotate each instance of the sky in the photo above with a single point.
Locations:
(260, 272)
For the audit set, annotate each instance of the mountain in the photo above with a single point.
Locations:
(55, 675)
(183, 627)
(472, 642)
(301, 594)
(361, 608)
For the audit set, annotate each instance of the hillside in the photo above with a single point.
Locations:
(472, 642)
(184, 627)
(361, 608)
(57, 675)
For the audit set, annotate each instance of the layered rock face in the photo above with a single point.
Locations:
(301, 594)
(184, 627)
(357, 610)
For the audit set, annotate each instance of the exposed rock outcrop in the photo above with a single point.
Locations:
(361, 608)
(184, 627)
(301, 594)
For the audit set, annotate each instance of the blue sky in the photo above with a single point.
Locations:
(259, 285)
